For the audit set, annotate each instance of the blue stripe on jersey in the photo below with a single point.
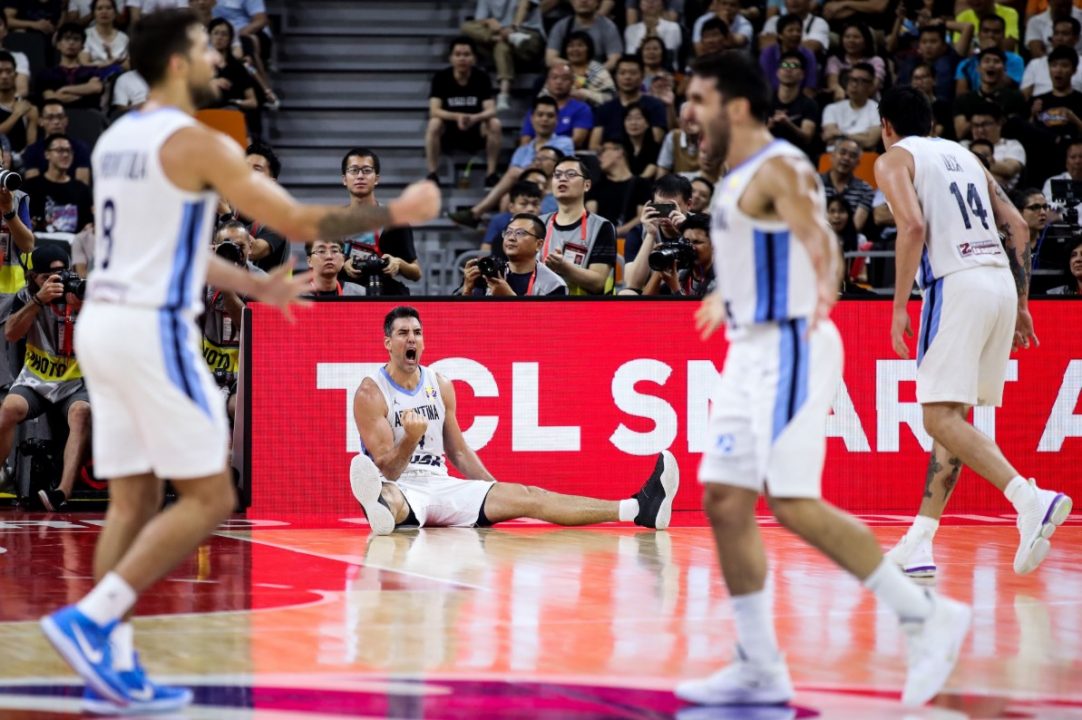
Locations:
(771, 275)
(793, 361)
(929, 318)
(179, 358)
(182, 258)
(926, 277)
(399, 388)
(781, 276)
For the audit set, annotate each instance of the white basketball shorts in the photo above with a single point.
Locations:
(156, 406)
(442, 501)
(966, 332)
(768, 421)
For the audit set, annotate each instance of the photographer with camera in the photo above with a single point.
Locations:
(375, 260)
(520, 274)
(684, 266)
(44, 312)
(325, 259)
(660, 219)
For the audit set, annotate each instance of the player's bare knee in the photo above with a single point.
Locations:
(790, 512)
(724, 505)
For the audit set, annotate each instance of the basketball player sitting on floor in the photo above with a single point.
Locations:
(405, 414)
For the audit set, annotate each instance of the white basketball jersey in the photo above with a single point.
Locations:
(952, 188)
(151, 239)
(763, 273)
(427, 400)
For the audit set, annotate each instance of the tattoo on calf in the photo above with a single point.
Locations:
(952, 479)
(933, 469)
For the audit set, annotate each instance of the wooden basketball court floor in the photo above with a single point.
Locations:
(313, 620)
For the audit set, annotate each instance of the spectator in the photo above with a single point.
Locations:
(236, 87)
(1056, 116)
(606, 35)
(224, 309)
(80, 12)
(696, 280)
(525, 198)
(44, 314)
(40, 16)
(858, 116)
(1074, 271)
(740, 29)
(653, 24)
(840, 218)
(813, 29)
(702, 193)
(789, 42)
(610, 116)
(203, 9)
(641, 145)
(1072, 171)
(250, 23)
(326, 258)
(18, 117)
(268, 248)
(539, 177)
(593, 84)
(933, 50)
(866, 14)
(1009, 157)
(393, 246)
(105, 44)
(656, 60)
(509, 30)
(980, 8)
(53, 120)
(985, 152)
(660, 220)
(840, 181)
(857, 46)
(575, 118)
(579, 246)
(663, 90)
(22, 63)
(544, 124)
(1037, 80)
(129, 91)
(58, 202)
(680, 150)
(995, 87)
(1040, 28)
(715, 38)
(793, 115)
(523, 275)
(462, 113)
(72, 83)
(674, 11)
(139, 8)
(1035, 209)
(618, 194)
(967, 76)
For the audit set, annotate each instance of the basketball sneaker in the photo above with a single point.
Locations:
(85, 646)
(934, 646)
(741, 683)
(913, 554)
(146, 696)
(365, 480)
(1047, 510)
(658, 492)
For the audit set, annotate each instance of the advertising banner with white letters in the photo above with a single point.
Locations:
(579, 396)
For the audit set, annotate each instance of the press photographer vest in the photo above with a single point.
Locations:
(577, 245)
(221, 338)
(426, 399)
(50, 367)
(12, 275)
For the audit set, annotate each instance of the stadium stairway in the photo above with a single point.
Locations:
(357, 74)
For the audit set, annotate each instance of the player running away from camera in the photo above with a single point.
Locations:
(950, 212)
(158, 415)
(405, 414)
(767, 433)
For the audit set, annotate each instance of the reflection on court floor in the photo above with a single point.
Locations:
(281, 619)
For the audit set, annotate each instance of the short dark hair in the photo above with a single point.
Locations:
(258, 148)
(991, 109)
(71, 29)
(1063, 52)
(220, 22)
(1019, 197)
(786, 20)
(583, 37)
(360, 152)
(864, 67)
(839, 139)
(633, 59)
(939, 30)
(309, 245)
(907, 110)
(48, 101)
(704, 181)
(525, 188)
(53, 138)
(230, 224)
(531, 171)
(998, 52)
(402, 311)
(991, 17)
(714, 23)
(1076, 27)
(546, 100)
(794, 55)
(461, 40)
(578, 161)
(560, 155)
(673, 185)
(6, 57)
(696, 221)
(538, 225)
(737, 75)
(156, 38)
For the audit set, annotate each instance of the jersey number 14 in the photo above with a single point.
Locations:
(973, 199)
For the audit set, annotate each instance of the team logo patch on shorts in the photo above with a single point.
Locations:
(725, 444)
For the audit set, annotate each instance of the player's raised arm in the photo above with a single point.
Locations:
(198, 157)
(1016, 241)
(370, 414)
(894, 176)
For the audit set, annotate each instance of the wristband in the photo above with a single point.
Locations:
(10, 215)
(37, 300)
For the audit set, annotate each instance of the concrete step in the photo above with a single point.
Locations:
(323, 13)
(377, 128)
(329, 50)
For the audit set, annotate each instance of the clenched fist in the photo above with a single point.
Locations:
(414, 424)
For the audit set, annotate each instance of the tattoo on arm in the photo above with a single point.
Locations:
(341, 222)
(1020, 266)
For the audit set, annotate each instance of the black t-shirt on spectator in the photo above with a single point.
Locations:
(396, 241)
(1057, 123)
(34, 155)
(801, 109)
(468, 98)
(279, 246)
(617, 202)
(58, 207)
(50, 10)
(17, 134)
(57, 77)
(239, 78)
(610, 116)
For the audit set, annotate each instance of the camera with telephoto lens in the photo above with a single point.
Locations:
(491, 266)
(72, 283)
(371, 269)
(230, 252)
(10, 180)
(679, 251)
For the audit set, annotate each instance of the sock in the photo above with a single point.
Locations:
(755, 627)
(122, 642)
(108, 601)
(629, 509)
(898, 592)
(1017, 492)
(926, 525)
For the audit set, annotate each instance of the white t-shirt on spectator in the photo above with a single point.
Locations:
(851, 120)
(130, 90)
(667, 30)
(1040, 25)
(815, 28)
(95, 45)
(740, 26)
(81, 7)
(1008, 149)
(149, 6)
(1036, 75)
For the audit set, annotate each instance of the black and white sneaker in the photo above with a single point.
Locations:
(657, 493)
(52, 499)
